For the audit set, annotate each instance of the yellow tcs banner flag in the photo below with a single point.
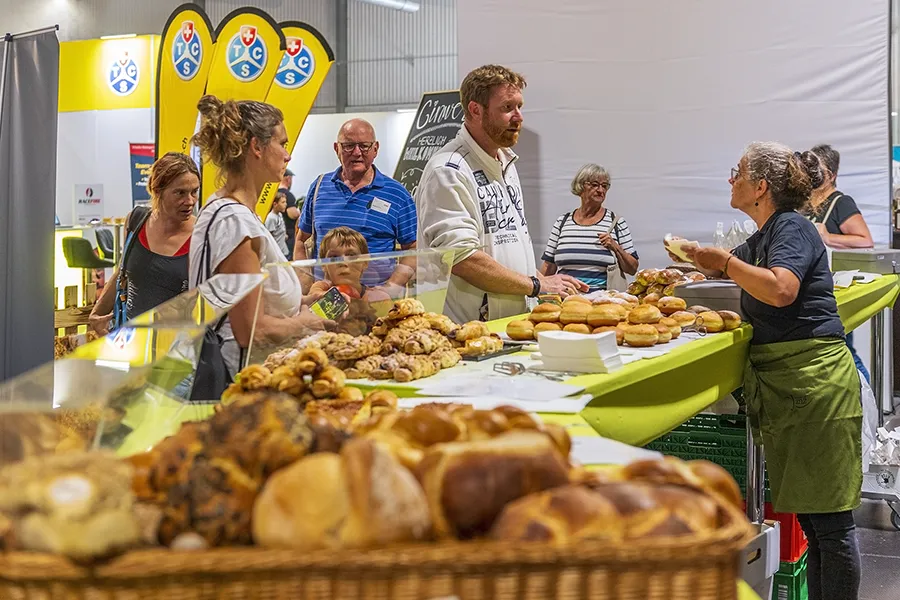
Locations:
(305, 64)
(185, 55)
(249, 44)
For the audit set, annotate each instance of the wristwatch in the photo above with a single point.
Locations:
(536, 287)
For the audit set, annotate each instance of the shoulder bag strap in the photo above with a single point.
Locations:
(831, 207)
(312, 215)
(136, 220)
(205, 260)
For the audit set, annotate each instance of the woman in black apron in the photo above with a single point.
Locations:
(800, 383)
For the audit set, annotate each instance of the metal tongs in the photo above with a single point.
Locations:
(517, 368)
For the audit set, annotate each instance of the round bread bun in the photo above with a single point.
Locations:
(520, 330)
(623, 325)
(645, 313)
(603, 315)
(711, 321)
(651, 299)
(646, 277)
(577, 328)
(732, 319)
(697, 309)
(575, 299)
(668, 276)
(576, 312)
(611, 300)
(669, 305)
(672, 324)
(629, 298)
(546, 326)
(620, 333)
(684, 318)
(665, 335)
(545, 313)
(641, 336)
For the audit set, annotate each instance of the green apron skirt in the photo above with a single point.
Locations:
(803, 402)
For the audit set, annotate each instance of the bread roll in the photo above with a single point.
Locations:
(695, 276)
(645, 313)
(657, 289)
(672, 324)
(615, 512)
(545, 313)
(700, 475)
(668, 277)
(575, 312)
(546, 327)
(612, 300)
(697, 309)
(646, 277)
(620, 333)
(577, 328)
(468, 484)
(623, 326)
(629, 298)
(684, 318)
(606, 314)
(360, 498)
(641, 336)
(575, 300)
(520, 330)
(650, 298)
(712, 321)
(719, 481)
(732, 320)
(636, 289)
(669, 305)
(665, 336)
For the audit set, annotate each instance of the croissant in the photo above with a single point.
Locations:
(446, 357)
(470, 331)
(405, 308)
(255, 377)
(285, 380)
(381, 327)
(359, 347)
(425, 341)
(414, 323)
(328, 383)
(364, 367)
(481, 346)
(441, 323)
(309, 361)
(418, 367)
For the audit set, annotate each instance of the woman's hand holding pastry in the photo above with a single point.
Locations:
(711, 259)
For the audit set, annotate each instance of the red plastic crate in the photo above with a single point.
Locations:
(793, 540)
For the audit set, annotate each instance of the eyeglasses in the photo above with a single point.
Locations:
(598, 184)
(349, 147)
(735, 173)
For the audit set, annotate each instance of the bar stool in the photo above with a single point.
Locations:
(80, 255)
(105, 244)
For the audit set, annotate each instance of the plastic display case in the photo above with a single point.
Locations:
(122, 391)
(347, 294)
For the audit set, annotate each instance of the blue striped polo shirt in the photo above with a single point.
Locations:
(382, 211)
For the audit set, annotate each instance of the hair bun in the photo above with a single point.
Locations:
(812, 166)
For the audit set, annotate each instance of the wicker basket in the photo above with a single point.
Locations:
(695, 568)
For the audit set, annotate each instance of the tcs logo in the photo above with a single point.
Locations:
(247, 55)
(187, 52)
(124, 76)
(297, 65)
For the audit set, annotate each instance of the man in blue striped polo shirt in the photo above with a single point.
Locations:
(359, 196)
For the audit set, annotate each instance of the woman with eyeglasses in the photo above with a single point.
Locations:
(800, 384)
(584, 243)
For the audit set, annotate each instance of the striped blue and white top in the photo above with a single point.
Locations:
(576, 250)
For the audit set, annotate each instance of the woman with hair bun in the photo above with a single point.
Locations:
(155, 261)
(246, 141)
(801, 386)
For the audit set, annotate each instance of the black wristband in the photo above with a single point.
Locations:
(536, 287)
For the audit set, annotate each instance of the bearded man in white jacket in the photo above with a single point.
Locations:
(469, 198)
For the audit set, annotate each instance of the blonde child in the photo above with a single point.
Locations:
(345, 276)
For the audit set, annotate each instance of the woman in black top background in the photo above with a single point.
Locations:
(156, 265)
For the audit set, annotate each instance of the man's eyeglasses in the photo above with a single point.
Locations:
(598, 184)
(364, 147)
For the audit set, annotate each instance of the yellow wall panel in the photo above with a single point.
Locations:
(108, 74)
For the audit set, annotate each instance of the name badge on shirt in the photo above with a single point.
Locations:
(382, 206)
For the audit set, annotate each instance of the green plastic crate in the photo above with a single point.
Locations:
(790, 581)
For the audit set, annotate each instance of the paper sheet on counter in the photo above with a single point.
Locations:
(566, 406)
(844, 279)
(604, 451)
(529, 388)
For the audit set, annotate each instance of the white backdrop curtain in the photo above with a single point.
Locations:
(667, 94)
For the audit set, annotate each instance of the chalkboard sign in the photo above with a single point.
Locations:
(437, 121)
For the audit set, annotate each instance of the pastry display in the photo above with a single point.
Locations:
(651, 298)
(641, 336)
(77, 504)
(645, 313)
(606, 314)
(545, 313)
(481, 346)
(575, 299)
(520, 330)
(618, 331)
(441, 323)
(669, 305)
(470, 331)
(732, 320)
(711, 321)
(407, 307)
(665, 334)
(546, 327)
(672, 325)
(697, 309)
(577, 328)
(574, 312)
(684, 318)
(363, 497)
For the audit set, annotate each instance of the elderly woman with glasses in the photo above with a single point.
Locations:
(800, 384)
(584, 243)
